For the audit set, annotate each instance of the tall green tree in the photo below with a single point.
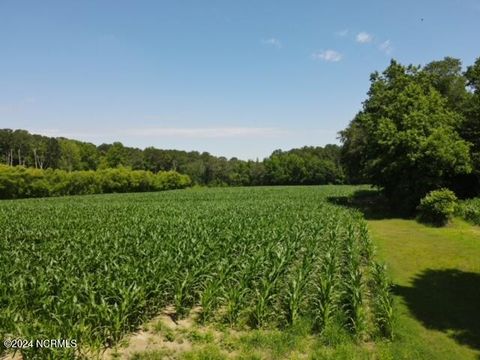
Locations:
(89, 156)
(471, 127)
(53, 154)
(6, 146)
(70, 155)
(116, 155)
(447, 78)
(405, 139)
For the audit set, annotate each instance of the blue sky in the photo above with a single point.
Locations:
(235, 78)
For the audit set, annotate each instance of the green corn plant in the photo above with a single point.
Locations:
(354, 306)
(326, 296)
(235, 300)
(211, 296)
(182, 298)
(265, 292)
(294, 298)
(237, 291)
(383, 301)
(367, 248)
(353, 284)
(296, 290)
(208, 299)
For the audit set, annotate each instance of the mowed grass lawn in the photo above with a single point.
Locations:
(436, 272)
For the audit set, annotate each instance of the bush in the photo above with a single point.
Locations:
(21, 182)
(469, 210)
(437, 207)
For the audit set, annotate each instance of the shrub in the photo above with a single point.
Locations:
(437, 207)
(469, 210)
(22, 182)
(168, 180)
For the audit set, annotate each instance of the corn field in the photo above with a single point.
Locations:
(94, 268)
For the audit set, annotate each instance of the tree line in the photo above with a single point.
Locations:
(308, 165)
(418, 131)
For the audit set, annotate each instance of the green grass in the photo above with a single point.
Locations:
(151, 355)
(437, 276)
(164, 330)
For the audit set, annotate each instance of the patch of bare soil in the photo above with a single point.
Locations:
(164, 333)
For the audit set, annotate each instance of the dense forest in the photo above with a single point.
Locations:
(308, 165)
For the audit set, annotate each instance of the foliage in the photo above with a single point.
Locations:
(308, 165)
(469, 210)
(437, 207)
(20, 182)
(447, 78)
(473, 76)
(470, 129)
(305, 166)
(93, 268)
(406, 140)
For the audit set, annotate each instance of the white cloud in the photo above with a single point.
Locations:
(327, 55)
(386, 47)
(273, 42)
(364, 37)
(342, 33)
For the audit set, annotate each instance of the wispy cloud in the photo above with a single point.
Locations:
(342, 33)
(273, 42)
(386, 47)
(171, 132)
(72, 134)
(214, 132)
(327, 55)
(364, 37)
